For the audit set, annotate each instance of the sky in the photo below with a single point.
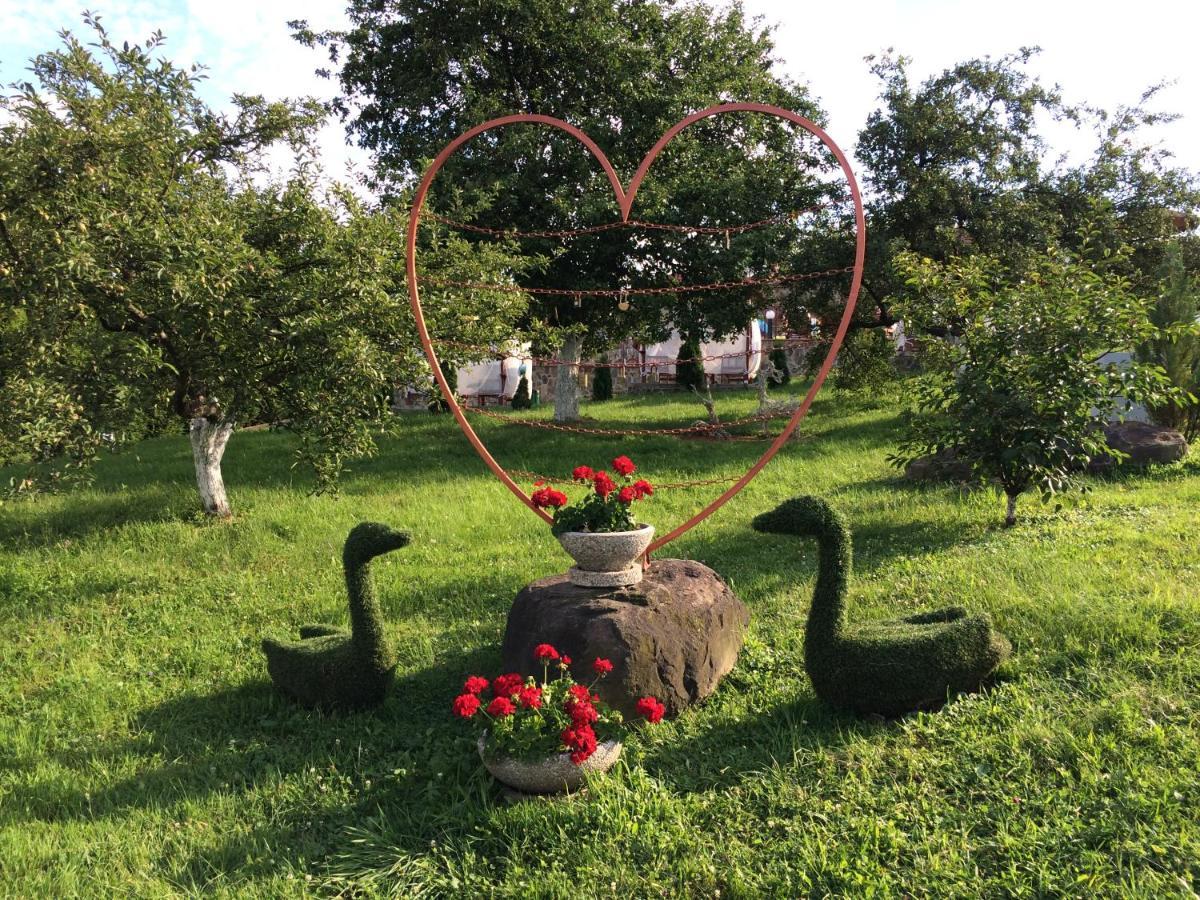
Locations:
(1100, 52)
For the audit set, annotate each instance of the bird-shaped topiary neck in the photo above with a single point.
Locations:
(367, 541)
(813, 517)
(834, 563)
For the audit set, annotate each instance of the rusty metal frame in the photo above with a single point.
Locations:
(625, 199)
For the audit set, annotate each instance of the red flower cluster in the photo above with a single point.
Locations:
(623, 465)
(603, 484)
(466, 705)
(651, 709)
(501, 707)
(514, 695)
(583, 473)
(475, 685)
(547, 497)
(507, 685)
(580, 741)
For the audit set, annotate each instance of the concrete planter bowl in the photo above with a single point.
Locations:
(606, 558)
(552, 775)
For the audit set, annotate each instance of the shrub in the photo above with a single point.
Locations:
(602, 383)
(1018, 394)
(521, 399)
(780, 362)
(689, 369)
(1177, 348)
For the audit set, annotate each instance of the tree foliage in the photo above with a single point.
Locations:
(149, 278)
(1019, 394)
(416, 75)
(1176, 347)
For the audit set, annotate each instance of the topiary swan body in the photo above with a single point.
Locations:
(888, 667)
(332, 669)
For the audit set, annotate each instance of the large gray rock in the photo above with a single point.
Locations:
(941, 466)
(673, 635)
(1144, 442)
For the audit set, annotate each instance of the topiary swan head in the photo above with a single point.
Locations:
(799, 516)
(370, 539)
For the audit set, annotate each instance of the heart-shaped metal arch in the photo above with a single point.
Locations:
(625, 198)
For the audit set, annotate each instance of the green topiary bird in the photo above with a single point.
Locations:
(327, 667)
(889, 667)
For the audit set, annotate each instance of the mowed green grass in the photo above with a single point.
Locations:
(143, 751)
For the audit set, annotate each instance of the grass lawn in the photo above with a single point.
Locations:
(144, 753)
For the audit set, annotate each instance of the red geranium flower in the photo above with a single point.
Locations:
(476, 684)
(628, 494)
(603, 484)
(544, 652)
(580, 741)
(643, 487)
(601, 666)
(466, 705)
(564, 660)
(507, 685)
(548, 497)
(531, 697)
(651, 709)
(624, 465)
(583, 473)
(501, 707)
(581, 713)
(579, 692)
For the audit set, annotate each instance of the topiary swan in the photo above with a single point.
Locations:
(888, 667)
(327, 667)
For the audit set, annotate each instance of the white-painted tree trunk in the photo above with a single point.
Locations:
(566, 385)
(208, 447)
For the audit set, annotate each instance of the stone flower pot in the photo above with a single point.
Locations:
(606, 558)
(552, 775)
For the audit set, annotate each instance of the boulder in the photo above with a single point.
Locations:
(941, 466)
(1144, 442)
(673, 635)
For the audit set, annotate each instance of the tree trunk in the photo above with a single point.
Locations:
(208, 446)
(1010, 517)
(566, 385)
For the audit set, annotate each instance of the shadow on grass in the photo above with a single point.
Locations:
(279, 761)
(37, 523)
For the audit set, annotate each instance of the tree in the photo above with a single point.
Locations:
(1019, 395)
(1176, 348)
(415, 75)
(955, 166)
(148, 279)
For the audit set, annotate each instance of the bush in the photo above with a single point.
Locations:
(1018, 394)
(689, 370)
(780, 362)
(864, 362)
(521, 399)
(602, 383)
(1177, 350)
(438, 403)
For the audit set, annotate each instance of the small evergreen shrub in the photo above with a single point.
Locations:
(602, 383)
(689, 370)
(780, 362)
(521, 398)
